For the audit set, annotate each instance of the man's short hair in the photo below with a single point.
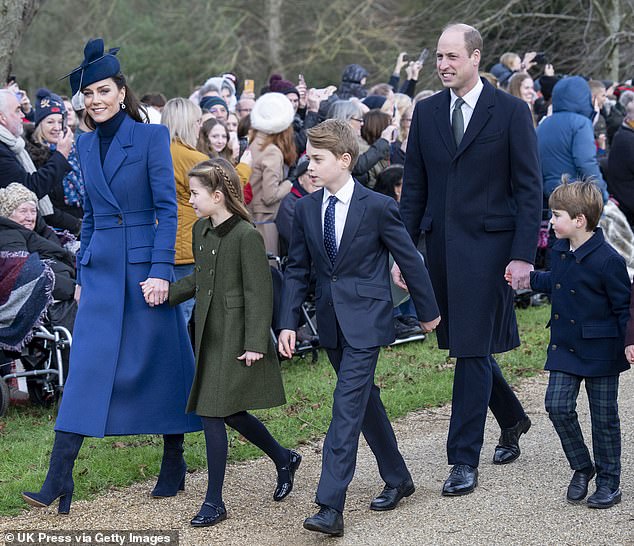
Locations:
(472, 37)
(578, 197)
(337, 137)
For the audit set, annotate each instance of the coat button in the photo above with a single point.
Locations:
(571, 350)
(211, 271)
(553, 347)
(557, 286)
(197, 289)
(213, 251)
(573, 292)
(556, 316)
(209, 292)
(119, 219)
(200, 247)
(572, 321)
(563, 256)
(334, 278)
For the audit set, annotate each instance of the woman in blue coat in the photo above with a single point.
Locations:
(131, 364)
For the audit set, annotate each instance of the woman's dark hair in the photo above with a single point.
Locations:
(374, 123)
(388, 179)
(244, 126)
(133, 106)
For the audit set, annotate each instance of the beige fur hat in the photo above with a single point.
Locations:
(13, 196)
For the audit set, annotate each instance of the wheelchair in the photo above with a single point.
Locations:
(43, 360)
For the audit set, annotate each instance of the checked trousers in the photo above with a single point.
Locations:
(561, 404)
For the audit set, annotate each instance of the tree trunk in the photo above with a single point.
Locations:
(15, 17)
(274, 12)
(614, 20)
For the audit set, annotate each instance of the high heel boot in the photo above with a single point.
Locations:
(59, 480)
(171, 478)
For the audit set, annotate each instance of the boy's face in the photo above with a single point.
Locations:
(564, 226)
(325, 169)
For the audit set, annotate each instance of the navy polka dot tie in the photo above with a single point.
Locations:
(330, 237)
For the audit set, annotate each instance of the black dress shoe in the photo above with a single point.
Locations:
(391, 496)
(578, 488)
(508, 448)
(604, 498)
(461, 481)
(327, 520)
(209, 515)
(286, 476)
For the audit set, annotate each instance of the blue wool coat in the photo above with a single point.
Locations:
(590, 294)
(131, 365)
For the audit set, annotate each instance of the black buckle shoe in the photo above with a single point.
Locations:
(578, 488)
(285, 485)
(209, 515)
(604, 498)
(327, 520)
(391, 496)
(461, 481)
(508, 448)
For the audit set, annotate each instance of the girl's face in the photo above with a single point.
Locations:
(232, 123)
(52, 128)
(204, 202)
(25, 214)
(218, 138)
(527, 90)
(103, 99)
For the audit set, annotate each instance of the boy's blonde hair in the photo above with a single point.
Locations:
(578, 197)
(337, 137)
(219, 175)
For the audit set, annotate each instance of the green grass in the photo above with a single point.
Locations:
(411, 376)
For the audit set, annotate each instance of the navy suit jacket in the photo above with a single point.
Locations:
(355, 290)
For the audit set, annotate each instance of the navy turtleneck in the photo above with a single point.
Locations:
(106, 132)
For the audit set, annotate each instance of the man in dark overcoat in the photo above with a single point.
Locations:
(472, 184)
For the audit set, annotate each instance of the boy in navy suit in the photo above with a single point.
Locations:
(348, 232)
(589, 289)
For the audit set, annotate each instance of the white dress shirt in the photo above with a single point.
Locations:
(470, 99)
(344, 196)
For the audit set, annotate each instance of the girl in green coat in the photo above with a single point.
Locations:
(236, 363)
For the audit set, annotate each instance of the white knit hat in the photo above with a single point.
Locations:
(272, 113)
(13, 196)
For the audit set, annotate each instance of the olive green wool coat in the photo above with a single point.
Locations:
(234, 307)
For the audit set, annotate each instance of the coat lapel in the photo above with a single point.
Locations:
(315, 221)
(353, 221)
(116, 153)
(480, 117)
(441, 117)
(94, 170)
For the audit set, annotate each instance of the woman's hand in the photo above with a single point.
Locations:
(77, 293)
(250, 357)
(155, 291)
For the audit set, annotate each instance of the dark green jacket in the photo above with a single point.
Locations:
(234, 307)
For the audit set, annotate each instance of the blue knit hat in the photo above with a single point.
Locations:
(207, 103)
(97, 65)
(47, 103)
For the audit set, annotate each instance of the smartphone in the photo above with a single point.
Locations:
(423, 55)
(64, 123)
(301, 79)
(249, 86)
(540, 58)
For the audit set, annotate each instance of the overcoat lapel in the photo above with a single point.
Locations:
(441, 117)
(116, 153)
(481, 115)
(94, 170)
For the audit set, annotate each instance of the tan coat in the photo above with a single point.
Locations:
(184, 158)
(269, 188)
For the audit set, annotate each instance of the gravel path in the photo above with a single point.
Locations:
(522, 503)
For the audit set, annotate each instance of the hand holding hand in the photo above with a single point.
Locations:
(518, 274)
(155, 291)
(629, 353)
(250, 357)
(286, 343)
(431, 325)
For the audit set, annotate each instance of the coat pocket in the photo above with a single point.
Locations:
(234, 301)
(139, 255)
(499, 223)
(374, 291)
(599, 342)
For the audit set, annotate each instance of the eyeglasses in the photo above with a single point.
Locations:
(244, 110)
(357, 119)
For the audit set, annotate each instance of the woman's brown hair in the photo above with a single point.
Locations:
(285, 141)
(204, 145)
(374, 123)
(133, 106)
(218, 174)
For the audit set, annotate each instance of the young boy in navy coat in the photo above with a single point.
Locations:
(589, 289)
(348, 232)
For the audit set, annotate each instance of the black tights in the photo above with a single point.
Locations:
(216, 441)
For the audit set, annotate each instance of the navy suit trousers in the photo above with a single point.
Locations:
(478, 383)
(357, 408)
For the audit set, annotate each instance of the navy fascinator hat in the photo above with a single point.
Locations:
(97, 65)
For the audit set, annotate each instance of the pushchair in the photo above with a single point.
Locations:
(43, 362)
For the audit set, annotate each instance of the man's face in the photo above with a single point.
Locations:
(11, 117)
(600, 97)
(244, 107)
(456, 68)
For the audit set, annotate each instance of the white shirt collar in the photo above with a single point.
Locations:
(344, 194)
(471, 98)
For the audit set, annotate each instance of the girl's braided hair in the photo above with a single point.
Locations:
(219, 175)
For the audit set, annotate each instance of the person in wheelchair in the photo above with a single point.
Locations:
(18, 224)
